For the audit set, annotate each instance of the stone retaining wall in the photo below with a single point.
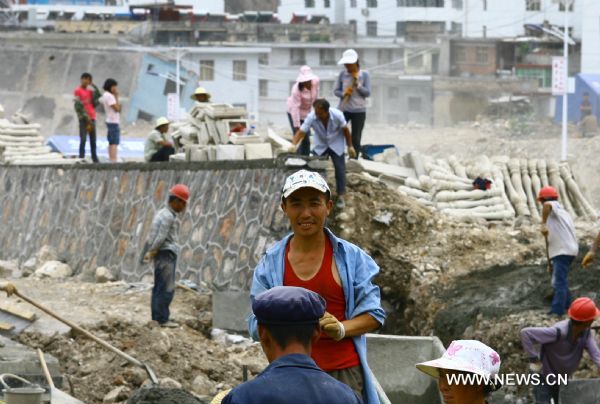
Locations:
(100, 216)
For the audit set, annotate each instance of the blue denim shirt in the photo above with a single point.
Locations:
(292, 379)
(356, 270)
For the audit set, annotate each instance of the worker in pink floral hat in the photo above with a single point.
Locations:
(466, 373)
(300, 103)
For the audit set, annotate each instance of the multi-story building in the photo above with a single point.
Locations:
(470, 18)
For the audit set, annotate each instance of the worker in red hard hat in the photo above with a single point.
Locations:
(162, 248)
(562, 246)
(557, 350)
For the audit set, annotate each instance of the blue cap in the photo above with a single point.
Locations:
(284, 305)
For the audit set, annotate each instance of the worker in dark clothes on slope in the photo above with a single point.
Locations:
(288, 326)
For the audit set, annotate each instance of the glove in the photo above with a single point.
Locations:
(348, 91)
(351, 152)
(544, 230)
(292, 149)
(535, 367)
(8, 287)
(587, 260)
(149, 256)
(89, 127)
(332, 327)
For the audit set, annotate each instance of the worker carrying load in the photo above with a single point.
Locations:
(562, 247)
(288, 327)
(312, 257)
(560, 347)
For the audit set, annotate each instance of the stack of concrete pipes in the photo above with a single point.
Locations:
(21, 144)
(447, 185)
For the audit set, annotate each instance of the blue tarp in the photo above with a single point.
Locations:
(589, 83)
(130, 147)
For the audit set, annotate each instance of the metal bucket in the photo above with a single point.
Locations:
(31, 394)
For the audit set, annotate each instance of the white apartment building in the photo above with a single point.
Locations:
(590, 34)
(472, 18)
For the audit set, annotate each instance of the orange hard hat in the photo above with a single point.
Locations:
(547, 193)
(583, 309)
(180, 191)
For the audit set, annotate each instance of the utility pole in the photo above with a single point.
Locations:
(564, 138)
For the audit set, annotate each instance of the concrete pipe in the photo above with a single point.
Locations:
(526, 180)
(573, 188)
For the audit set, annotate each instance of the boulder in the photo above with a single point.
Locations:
(46, 253)
(203, 385)
(168, 383)
(29, 266)
(116, 395)
(8, 268)
(104, 275)
(54, 269)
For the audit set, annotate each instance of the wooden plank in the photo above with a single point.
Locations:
(17, 311)
(6, 326)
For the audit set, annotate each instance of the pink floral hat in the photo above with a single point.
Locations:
(465, 356)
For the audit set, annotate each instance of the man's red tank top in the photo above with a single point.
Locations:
(327, 353)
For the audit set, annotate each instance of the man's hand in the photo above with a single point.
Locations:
(351, 152)
(149, 256)
(535, 367)
(293, 148)
(89, 127)
(587, 260)
(348, 92)
(8, 287)
(544, 230)
(332, 327)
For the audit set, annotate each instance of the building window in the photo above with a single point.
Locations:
(415, 60)
(561, 5)
(297, 56)
(414, 104)
(400, 28)
(484, 31)
(309, 3)
(371, 3)
(393, 93)
(354, 25)
(482, 55)
(533, 5)
(457, 4)
(170, 86)
(263, 88)
(460, 54)
(371, 28)
(263, 59)
(353, 4)
(420, 3)
(327, 57)
(384, 56)
(326, 89)
(239, 70)
(207, 70)
(327, 3)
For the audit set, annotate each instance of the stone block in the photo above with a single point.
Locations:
(376, 168)
(230, 310)
(256, 151)
(54, 269)
(229, 152)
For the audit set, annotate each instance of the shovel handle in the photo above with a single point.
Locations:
(45, 368)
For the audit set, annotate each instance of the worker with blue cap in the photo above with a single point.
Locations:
(288, 325)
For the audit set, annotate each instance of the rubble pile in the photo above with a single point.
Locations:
(22, 144)
(218, 132)
(182, 359)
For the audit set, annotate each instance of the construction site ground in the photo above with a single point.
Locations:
(439, 276)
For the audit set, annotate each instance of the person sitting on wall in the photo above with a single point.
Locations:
(157, 146)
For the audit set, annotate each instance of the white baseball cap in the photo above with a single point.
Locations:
(348, 57)
(304, 179)
(465, 356)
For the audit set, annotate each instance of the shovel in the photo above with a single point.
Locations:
(56, 396)
(91, 336)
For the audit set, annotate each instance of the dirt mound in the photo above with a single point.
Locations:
(156, 395)
(200, 365)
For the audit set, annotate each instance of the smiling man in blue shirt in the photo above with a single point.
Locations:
(315, 259)
(331, 135)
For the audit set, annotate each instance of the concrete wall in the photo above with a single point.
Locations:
(101, 216)
(42, 81)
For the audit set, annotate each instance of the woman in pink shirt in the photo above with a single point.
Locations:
(299, 103)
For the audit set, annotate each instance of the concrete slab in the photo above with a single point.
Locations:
(255, 151)
(230, 152)
(581, 392)
(23, 361)
(392, 360)
(375, 168)
(230, 310)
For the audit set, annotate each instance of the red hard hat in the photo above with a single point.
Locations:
(180, 191)
(583, 309)
(547, 193)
